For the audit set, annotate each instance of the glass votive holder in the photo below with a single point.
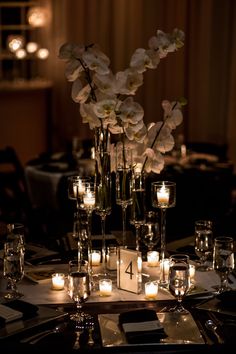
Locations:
(151, 290)
(96, 257)
(58, 281)
(152, 258)
(192, 272)
(105, 287)
(164, 271)
(112, 258)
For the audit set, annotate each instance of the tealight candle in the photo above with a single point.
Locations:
(58, 281)
(105, 287)
(163, 195)
(89, 200)
(152, 258)
(151, 290)
(96, 257)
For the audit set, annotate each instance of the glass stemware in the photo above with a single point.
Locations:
(78, 286)
(103, 204)
(179, 280)
(123, 183)
(88, 205)
(163, 197)
(223, 261)
(203, 243)
(13, 267)
(138, 205)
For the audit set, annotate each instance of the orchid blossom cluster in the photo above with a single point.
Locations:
(107, 103)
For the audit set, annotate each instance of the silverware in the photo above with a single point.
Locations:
(210, 325)
(89, 324)
(38, 336)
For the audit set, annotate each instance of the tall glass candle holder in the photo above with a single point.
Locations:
(163, 197)
(88, 205)
(124, 173)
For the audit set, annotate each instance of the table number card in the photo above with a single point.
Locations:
(129, 276)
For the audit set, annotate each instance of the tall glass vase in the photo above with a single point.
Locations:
(124, 174)
(103, 184)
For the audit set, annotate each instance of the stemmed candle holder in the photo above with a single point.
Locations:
(76, 189)
(163, 197)
(88, 204)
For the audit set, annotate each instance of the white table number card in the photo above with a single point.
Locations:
(129, 276)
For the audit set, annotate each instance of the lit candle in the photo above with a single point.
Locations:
(111, 258)
(89, 200)
(164, 270)
(192, 271)
(151, 290)
(105, 287)
(58, 281)
(140, 264)
(163, 195)
(96, 257)
(153, 258)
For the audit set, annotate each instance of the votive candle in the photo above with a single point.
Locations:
(152, 258)
(58, 281)
(96, 257)
(105, 287)
(151, 290)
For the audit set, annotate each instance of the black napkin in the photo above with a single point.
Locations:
(141, 326)
(227, 299)
(29, 310)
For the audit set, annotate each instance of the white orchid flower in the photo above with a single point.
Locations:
(79, 93)
(130, 111)
(105, 107)
(96, 60)
(71, 51)
(105, 83)
(128, 81)
(88, 115)
(73, 69)
(132, 129)
(143, 59)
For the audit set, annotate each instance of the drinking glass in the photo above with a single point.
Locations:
(13, 267)
(203, 243)
(78, 286)
(123, 183)
(223, 261)
(179, 280)
(138, 205)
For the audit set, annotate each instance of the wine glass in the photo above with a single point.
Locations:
(223, 261)
(123, 183)
(13, 267)
(138, 205)
(203, 243)
(179, 280)
(78, 286)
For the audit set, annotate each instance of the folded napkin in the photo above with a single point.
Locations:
(141, 326)
(29, 310)
(227, 299)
